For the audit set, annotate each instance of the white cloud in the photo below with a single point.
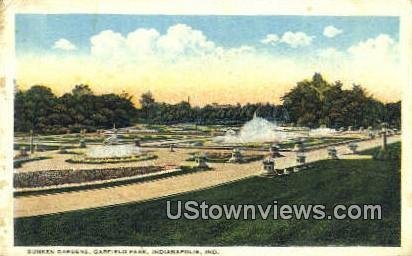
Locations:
(64, 44)
(330, 53)
(107, 43)
(296, 39)
(180, 40)
(184, 61)
(376, 61)
(370, 51)
(373, 63)
(270, 39)
(293, 39)
(382, 46)
(142, 41)
(331, 31)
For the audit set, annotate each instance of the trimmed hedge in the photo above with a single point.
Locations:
(224, 157)
(59, 177)
(19, 162)
(111, 160)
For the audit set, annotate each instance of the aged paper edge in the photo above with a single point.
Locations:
(400, 8)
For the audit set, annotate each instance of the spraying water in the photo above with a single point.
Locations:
(256, 130)
(113, 151)
(321, 132)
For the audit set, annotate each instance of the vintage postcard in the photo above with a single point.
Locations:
(206, 128)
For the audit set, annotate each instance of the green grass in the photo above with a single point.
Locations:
(393, 152)
(329, 182)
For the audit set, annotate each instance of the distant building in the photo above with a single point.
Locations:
(216, 105)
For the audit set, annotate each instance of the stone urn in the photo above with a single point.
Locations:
(332, 153)
(201, 161)
(236, 156)
(353, 147)
(268, 167)
(274, 151)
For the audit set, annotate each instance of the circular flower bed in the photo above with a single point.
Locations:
(111, 160)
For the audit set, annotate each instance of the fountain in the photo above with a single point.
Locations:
(259, 130)
(112, 154)
(113, 151)
(322, 132)
(112, 140)
(256, 130)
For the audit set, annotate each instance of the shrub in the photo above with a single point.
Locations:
(391, 153)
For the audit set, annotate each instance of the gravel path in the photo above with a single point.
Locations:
(221, 173)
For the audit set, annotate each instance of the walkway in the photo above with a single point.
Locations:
(221, 173)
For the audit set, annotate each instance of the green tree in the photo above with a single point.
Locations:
(393, 114)
(304, 103)
(148, 106)
(34, 108)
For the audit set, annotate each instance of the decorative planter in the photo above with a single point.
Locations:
(353, 147)
(268, 167)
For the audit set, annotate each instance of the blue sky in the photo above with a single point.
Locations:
(38, 32)
(223, 59)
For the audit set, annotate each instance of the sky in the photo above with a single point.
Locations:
(222, 59)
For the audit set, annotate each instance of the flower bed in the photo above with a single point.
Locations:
(223, 157)
(59, 177)
(111, 160)
(17, 163)
(42, 147)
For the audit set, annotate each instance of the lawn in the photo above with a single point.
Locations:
(329, 182)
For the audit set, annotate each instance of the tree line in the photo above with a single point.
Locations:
(40, 110)
(311, 103)
(316, 102)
